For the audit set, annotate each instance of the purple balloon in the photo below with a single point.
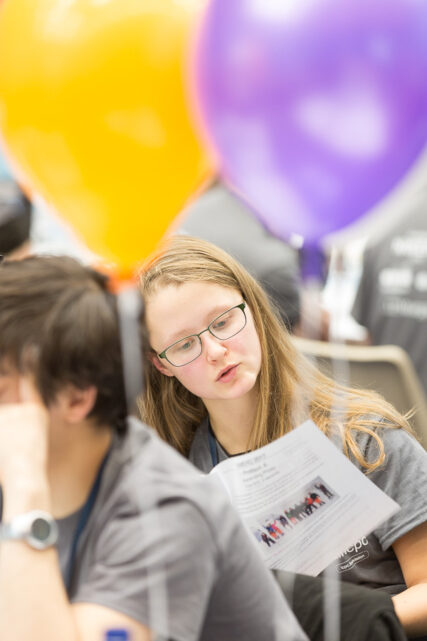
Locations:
(316, 108)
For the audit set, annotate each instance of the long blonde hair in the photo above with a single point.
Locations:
(291, 389)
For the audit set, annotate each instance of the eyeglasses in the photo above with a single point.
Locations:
(225, 326)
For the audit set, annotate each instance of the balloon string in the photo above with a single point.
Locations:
(130, 305)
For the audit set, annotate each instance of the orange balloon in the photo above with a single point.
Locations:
(94, 112)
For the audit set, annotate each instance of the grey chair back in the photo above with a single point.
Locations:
(387, 369)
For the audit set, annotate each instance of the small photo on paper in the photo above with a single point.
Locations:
(308, 502)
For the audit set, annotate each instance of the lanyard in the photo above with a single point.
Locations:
(83, 519)
(212, 446)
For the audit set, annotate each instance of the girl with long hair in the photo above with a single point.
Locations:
(223, 377)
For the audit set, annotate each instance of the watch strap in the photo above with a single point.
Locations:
(37, 528)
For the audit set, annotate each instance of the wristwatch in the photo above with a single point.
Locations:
(37, 528)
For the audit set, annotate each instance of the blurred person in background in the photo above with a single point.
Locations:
(225, 220)
(391, 300)
(15, 221)
(28, 227)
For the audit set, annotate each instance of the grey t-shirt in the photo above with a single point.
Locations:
(391, 300)
(371, 560)
(164, 547)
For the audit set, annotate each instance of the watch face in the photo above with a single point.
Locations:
(41, 530)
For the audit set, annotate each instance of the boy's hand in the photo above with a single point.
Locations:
(23, 447)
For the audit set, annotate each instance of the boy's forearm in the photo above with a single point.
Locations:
(33, 601)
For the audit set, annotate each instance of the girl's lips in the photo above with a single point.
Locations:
(227, 374)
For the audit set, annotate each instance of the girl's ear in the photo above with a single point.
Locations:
(158, 364)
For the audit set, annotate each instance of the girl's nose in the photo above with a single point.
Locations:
(213, 347)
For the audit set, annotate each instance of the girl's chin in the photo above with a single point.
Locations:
(239, 389)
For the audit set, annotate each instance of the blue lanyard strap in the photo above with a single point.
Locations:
(83, 519)
(212, 446)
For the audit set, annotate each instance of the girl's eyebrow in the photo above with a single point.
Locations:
(210, 316)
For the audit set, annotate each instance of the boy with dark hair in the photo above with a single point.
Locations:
(104, 525)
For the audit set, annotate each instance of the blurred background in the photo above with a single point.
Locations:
(291, 134)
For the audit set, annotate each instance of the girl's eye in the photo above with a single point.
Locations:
(221, 323)
(185, 345)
